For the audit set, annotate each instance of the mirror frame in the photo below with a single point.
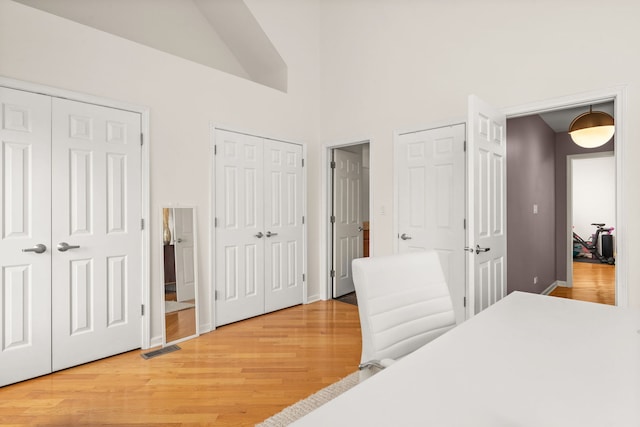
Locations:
(195, 272)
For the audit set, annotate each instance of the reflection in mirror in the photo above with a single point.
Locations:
(179, 274)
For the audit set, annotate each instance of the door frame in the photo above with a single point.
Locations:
(211, 288)
(326, 202)
(145, 333)
(617, 94)
(569, 248)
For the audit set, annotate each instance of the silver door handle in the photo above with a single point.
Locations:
(404, 236)
(39, 248)
(64, 246)
(468, 249)
(479, 249)
(269, 234)
(360, 228)
(259, 235)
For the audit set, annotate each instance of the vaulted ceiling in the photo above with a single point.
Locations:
(222, 34)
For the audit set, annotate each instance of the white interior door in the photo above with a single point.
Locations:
(184, 238)
(25, 221)
(431, 201)
(283, 225)
(239, 227)
(487, 204)
(97, 281)
(347, 210)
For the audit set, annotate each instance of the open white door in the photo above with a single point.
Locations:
(347, 210)
(184, 253)
(487, 241)
(431, 201)
(25, 224)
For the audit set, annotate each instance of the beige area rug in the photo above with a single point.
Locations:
(303, 407)
(171, 306)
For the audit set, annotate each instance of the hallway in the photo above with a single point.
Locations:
(591, 282)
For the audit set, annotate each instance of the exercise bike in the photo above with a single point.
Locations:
(591, 245)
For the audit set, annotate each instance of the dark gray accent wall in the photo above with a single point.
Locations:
(564, 147)
(531, 240)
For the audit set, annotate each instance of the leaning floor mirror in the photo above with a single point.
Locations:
(179, 274)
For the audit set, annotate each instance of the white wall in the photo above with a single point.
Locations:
(183, 97)
(594, 199)
(390, 65)
(357, 69)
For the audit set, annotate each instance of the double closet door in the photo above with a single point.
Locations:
(259, 226)
(70, 242)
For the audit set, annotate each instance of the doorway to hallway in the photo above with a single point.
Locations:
(349, 214)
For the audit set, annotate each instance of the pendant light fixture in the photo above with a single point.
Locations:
(592, 129)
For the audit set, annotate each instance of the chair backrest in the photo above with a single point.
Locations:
(403, 301)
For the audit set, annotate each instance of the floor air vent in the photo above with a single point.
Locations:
(164, 350)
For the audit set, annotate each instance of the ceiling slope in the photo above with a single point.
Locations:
(221, 34)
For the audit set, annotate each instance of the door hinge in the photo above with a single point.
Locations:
(215, 222)
(464, 301)
(302, 162)
(464, 223)
(333, 164)
(216, 295)
(333, 273)
(304, 277)
(141, 139)
(333, 219)
(303, 219)
(141, 223)
(464, 146)
(215, 150)
(142, 309)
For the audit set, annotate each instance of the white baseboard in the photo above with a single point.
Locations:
(553, 286)
(155, 341)
(205, 327)
(313, 298)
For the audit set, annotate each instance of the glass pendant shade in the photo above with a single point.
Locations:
(592, 129)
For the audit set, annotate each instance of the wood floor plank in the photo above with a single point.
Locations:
(591, 282)
(237, 375)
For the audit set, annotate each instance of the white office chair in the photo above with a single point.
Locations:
(404, 303)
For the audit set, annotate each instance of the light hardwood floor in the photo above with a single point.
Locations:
(237, 375)
(591, 282)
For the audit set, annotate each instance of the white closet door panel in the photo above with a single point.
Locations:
(283, 225)
(239, 233)
(96, 180)
(25, 203)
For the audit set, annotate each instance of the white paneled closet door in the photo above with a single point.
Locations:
(240, 227)
(71, 197)
(283, 224)
(25, 197)
(259, 226)
(96, 290)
